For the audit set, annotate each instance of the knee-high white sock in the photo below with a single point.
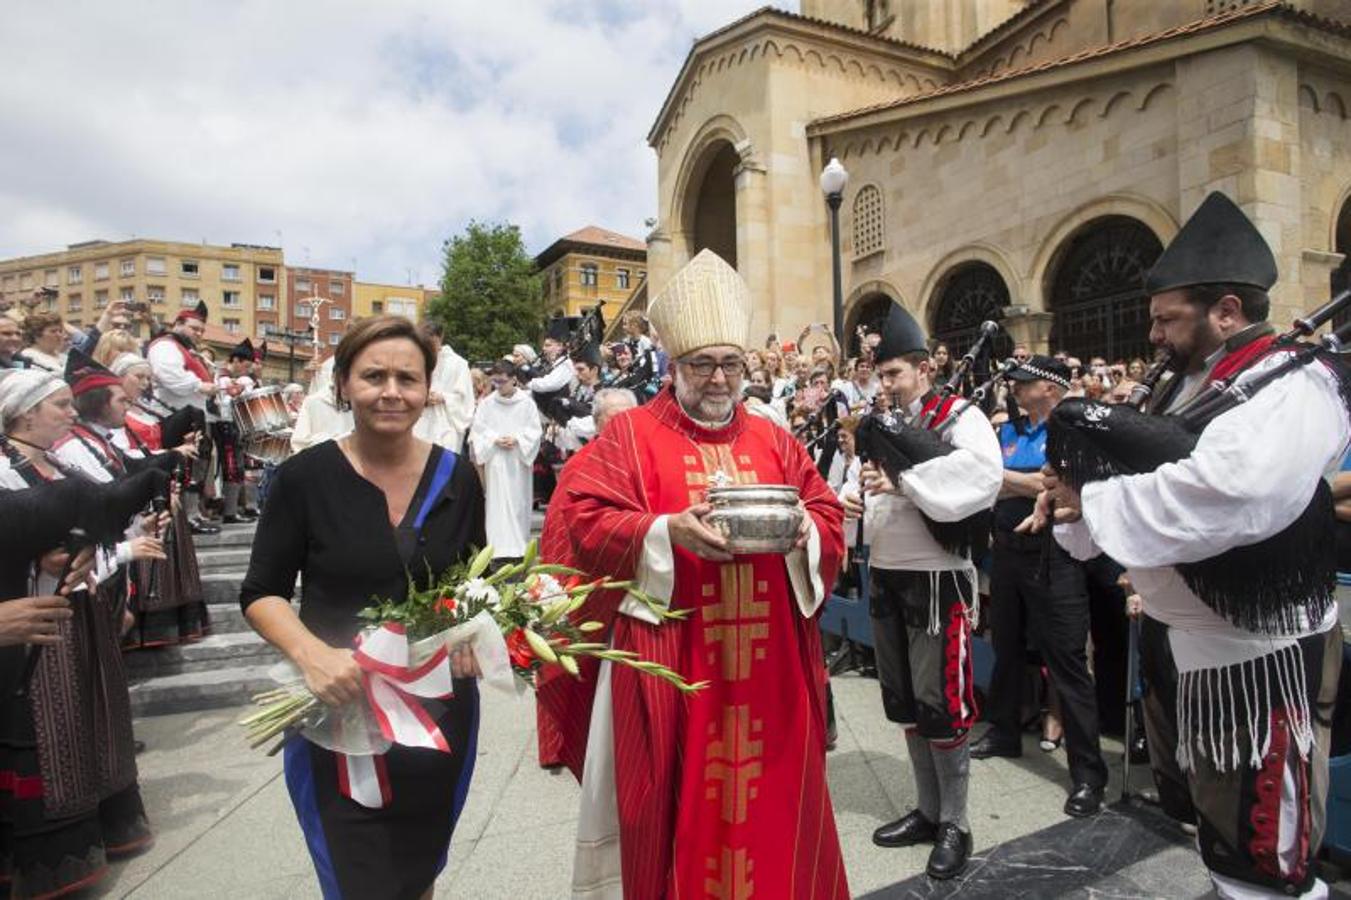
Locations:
(926, 779)
(952, 766)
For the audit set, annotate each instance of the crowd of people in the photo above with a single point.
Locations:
(1000, 511)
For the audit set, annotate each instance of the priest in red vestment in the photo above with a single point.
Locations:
(721, 793)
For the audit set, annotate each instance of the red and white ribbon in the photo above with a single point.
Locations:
(394, 688)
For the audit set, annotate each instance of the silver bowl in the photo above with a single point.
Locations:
(756, 518)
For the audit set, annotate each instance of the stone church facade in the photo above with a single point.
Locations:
(1027, 159)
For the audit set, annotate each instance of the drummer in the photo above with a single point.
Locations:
(233, 381)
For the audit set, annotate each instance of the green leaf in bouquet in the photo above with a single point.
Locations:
(531, 554)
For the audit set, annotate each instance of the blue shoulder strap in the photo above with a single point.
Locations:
(445, 467)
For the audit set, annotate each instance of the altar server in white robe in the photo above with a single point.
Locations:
(505, 438)
(450, 399)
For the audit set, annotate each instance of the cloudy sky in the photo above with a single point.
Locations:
(352, 133)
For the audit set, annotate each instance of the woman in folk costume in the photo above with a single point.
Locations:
(1231, 546)
(371, 514)
(504, 438)
(167, 597)
(69, 739)
(723, 791)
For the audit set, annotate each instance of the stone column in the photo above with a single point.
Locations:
(1030, 328)
(753, 236)
(1238, 132)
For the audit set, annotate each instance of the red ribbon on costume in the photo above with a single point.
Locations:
(393, 688)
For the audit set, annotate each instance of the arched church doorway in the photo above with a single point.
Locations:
(1097, 294)
(970, 295)
(712, 218)
(866, 315)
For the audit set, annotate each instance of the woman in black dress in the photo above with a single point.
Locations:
(357, 517)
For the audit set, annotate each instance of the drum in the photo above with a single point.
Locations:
(271, 448)
(261, 412)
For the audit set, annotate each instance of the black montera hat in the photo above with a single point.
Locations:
(588, 353)
(558, 329)
(1217, 245)
(901, 334)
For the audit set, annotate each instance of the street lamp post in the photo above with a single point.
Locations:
(834, 178)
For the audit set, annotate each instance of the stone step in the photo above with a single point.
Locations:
(221, 588)
(227, 559)
(227, 618)
(217, 650)
(190, 691)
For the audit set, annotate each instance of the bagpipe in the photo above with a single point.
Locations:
(894, 445)
(1259, 587)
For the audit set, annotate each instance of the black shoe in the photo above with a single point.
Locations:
(1085, 800)
(232, 520)
(952, 848)
(992, 743)
(200, 527)
(912, 828)
(248, 514)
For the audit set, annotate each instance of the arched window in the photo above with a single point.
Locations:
(1098, 294)
(973, 294)
(869, 234)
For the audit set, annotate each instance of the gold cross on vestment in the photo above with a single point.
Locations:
(732, 763)
(737, 624)
(732, 875)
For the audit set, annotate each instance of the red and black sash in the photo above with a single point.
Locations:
(944, 407)
(102, 450)
(190, 359)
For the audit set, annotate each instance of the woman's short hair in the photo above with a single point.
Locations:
(36, 323)
(114, 344)
(373, 330)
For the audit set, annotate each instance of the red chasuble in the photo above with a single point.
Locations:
(720, 793)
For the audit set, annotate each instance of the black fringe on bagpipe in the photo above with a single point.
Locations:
(1262, 587)
(898, 448)
(969, 537)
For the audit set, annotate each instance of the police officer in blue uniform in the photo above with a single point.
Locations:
(1036, 586)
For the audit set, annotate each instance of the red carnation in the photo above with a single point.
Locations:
(518, 648)
(446, 604)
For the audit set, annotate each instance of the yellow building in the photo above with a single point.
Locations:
(372, 299)
(591, 266)
(243, 285)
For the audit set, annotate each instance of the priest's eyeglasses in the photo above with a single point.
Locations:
(703, 367)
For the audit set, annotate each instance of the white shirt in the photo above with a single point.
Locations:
(175, 384)
(559, 378)
(1251, 475)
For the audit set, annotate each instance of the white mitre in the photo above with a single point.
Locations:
(706, 304)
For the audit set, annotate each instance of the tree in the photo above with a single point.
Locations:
(490, 293)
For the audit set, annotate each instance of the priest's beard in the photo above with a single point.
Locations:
(706, 403)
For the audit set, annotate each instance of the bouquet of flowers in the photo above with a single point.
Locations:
(515, 619)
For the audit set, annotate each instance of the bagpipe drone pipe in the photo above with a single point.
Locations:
(1260, 587)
